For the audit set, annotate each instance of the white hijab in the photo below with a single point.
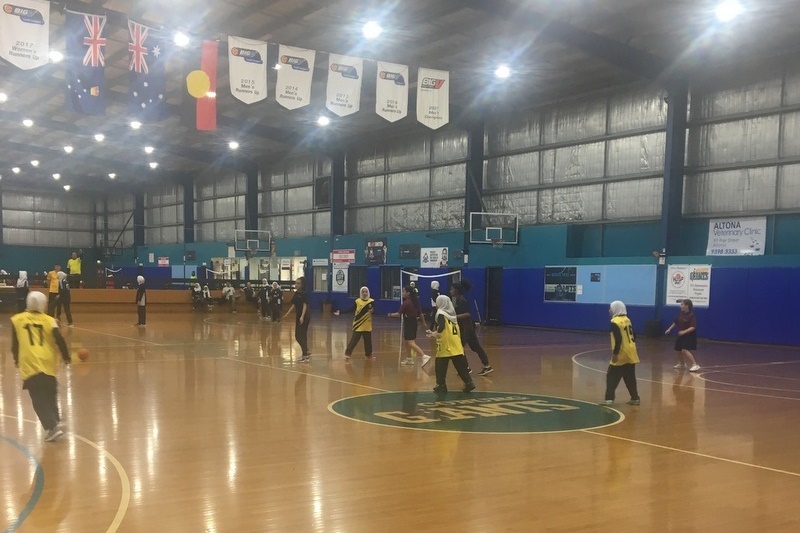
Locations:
(617, 308)
(368, 294)
(23, 279)
(444, 307)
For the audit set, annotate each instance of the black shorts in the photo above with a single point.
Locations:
(686, 342)
(409, 329)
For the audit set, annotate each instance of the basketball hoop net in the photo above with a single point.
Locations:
(497, 243)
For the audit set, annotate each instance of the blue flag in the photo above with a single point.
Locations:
(147, 97)
(85, 62)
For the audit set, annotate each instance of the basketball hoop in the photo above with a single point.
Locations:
(497, 243)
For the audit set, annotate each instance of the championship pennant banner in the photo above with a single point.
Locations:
(247, 60)
(433, 97)
(343, 95)
(293, 89)
(391, 91)
(25, 33)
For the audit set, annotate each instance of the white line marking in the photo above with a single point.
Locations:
(117, 336)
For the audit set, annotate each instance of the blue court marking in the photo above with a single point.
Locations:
(37, 488)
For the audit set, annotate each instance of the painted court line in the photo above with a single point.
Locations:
(117, 336)
(292, 371)
(38, 478)
(696, 454)
(123, 475)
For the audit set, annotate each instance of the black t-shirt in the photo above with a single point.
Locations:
(462, 306)
(300, 298)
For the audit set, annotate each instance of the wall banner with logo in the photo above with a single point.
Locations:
(736, 236)
(433, 258)
(688, 281)
(339, 281)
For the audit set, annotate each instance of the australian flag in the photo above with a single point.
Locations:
(147, 99)
(85, 62)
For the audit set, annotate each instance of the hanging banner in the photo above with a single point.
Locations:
(247, 61)
(375, 251)
(293, 89)
(85, 63)
(391, 91)
(344, 84)
(25, 33)
(433, 97)
(147, 92)
(736, 236)
(688, 281)
(433, 258)
(339, 277)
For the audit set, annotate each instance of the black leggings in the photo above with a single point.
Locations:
(67, 310)
(43, 389)
(142, 314)
(624, 372)
(357, 335)
(301, 335)
(471, 340)
(459, 361)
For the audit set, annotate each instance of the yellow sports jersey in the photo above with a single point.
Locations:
(362, 321)
(52, 281)
(38, 351)
(74, 265)
(627, 343)
(449, 342)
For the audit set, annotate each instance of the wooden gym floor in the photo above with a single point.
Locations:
(204, 423)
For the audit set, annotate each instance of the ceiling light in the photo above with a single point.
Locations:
(277, 66)
(55, 56)
(148, 149)
(56, 176)
(323, 121)
(211, 94)
(35, 163)
(27, 123)
(15, 170)
(502, 71)
(233, 145)
(728, 10)
(68, 149)
(67, 187)
(3, 97)
(99, 137)
(112, 175)
(135, 124)
(153, 165)
(372, 29)
(180, 38)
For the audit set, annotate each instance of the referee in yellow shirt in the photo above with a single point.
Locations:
(74, 269)
(35, 341)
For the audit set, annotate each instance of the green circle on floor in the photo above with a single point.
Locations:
(476, 412)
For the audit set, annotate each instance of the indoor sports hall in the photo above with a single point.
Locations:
(260, 232)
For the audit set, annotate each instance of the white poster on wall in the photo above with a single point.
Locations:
(688, 281)
(339, 277)
(736, 236)
(433, 257)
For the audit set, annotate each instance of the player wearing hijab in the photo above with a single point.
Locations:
(141, 301)
(624, 356)
(22, 290)
(64, 298)
(275, 301)
(363, 307)
(448, 346)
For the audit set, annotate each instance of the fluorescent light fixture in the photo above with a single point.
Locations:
(55, 56)
(148, 149)
(67, 187)
(372, 30)
(27, 123)
(728, 10)
(276, 66)
(233, 145)
(56, 176)
(323, 121)
(180, 38)
(3, 97)
(35, 163)
(112, 175)
(153, 165)
(68, 149)
(135, 124)
(211, 94)
(99, 137)
(502, 71)
(15, 170)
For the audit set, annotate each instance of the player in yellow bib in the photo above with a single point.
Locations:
(35, 342)
(363, 307)
(448, 346)
(624, 356)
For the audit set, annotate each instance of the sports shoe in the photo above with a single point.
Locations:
(304, 359)
(634, 402)
(440, 389)
(695, 368)
(607, 402)
(426, 359)
(468, 387)
(486, 370)
(53, 434)
(679, 365)
(407, 361)
(469, 370)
